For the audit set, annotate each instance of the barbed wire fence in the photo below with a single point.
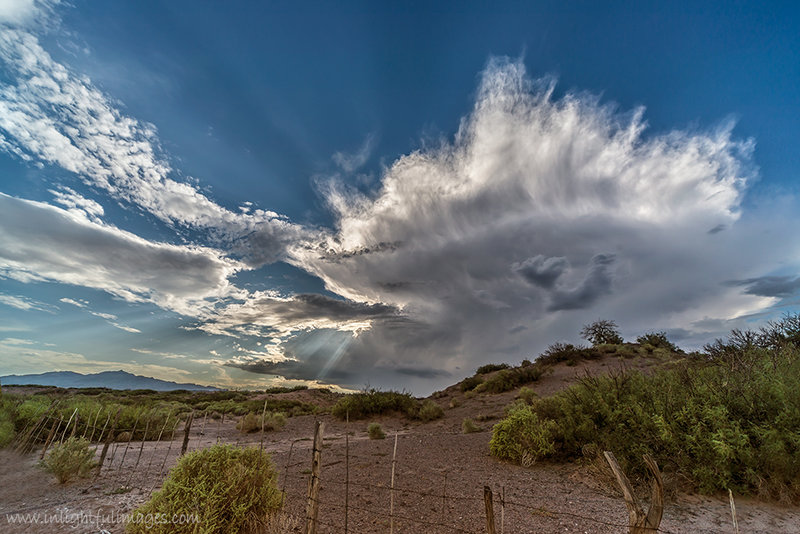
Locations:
(370, 497)
(361, 502)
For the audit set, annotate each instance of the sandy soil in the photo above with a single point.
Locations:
(440, 475)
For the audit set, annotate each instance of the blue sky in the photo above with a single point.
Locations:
(246, 193)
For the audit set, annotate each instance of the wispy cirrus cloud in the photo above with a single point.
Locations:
(50, 115)
(109, 317)
(24, 303)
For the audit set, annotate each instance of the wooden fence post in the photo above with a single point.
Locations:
(733, 512)
(141, 448)
(312, 507)
(66, 428)
(391, 494)
(109, 439)
(50, 437)
(640, 523)
(487, 500)
(127, 445)
(346, 478)
(186, 429)
(503, 510)
(263, 416)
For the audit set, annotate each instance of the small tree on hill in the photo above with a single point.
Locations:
(602, 332)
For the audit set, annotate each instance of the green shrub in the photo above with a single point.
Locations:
(69, 459)
(468, 426)
(468, 384)
(253, 422)
(656, 340)
(522, 436)
(6, 432)
(454, 402)
(729, 418)
(374, 431)
(373, 402)
(527, 395)
(491, 367)
(226, 489)
(567, 352)
(430, 411)
(509, 379)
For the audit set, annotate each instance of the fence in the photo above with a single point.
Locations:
(373, 500)
(337, 489)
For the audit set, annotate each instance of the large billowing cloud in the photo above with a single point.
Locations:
(542, 214)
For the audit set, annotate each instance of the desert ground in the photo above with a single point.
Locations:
(440, 475)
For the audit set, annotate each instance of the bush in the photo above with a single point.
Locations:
(602, 332)
(374, 431)
(527, 395)
(468, 426)
(657, 340)
(226, 489)
(253, 422)
(373, 402)
(491, 367)
(430, 411)
(69, 459)
(567, 352)
(522, 437)
(468, 384)
(729, 418)
(508, 379)
(7, 430)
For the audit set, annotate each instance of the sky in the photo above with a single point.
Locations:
(388, 194)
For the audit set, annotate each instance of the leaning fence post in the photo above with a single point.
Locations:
(640, 523)
(107, 444)
(733, 512)
(263, 417)
(391, 494)
(66, 428)
(487, 500)
(502, 510)
(346, 476)
(186, 429)
(50, 437)
(312, 507)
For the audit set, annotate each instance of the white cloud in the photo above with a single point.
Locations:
(78, 204)
(79, 303)
(49, 115)
(24, 12)
(42, 242)
(24, 303)
(544, 213)
(352, 162)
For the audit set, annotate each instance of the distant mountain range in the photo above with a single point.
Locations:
(106, 379)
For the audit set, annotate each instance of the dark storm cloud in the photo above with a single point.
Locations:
(541, 271)
(596, 284)
(769, 286)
